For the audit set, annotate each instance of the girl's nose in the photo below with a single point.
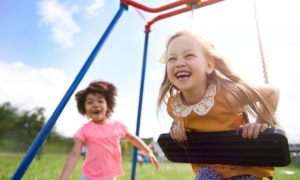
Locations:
(95, 104)
(180, 63)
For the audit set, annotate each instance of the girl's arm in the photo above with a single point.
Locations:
(272, 94)
(72, 159)
(252, 129)
(139, 143)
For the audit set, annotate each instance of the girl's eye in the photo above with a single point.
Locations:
(171, 59)
(89, 102)
(190, 55)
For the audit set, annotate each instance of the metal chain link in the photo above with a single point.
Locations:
(261, 48)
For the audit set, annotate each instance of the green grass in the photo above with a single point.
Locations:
(50, 167)
(281, 176)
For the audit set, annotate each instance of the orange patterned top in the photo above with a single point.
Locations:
(214, 114)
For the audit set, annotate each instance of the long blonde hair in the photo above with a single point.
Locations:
(238, 91)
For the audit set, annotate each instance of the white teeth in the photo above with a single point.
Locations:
(182, 73)
(183, 78)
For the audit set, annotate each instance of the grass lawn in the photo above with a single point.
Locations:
(50, 167)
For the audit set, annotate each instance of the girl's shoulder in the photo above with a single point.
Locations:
(86, 125)
(116, 123)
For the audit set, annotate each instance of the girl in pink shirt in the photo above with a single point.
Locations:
(101, 135)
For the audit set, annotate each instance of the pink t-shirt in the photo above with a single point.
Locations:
(103, 159)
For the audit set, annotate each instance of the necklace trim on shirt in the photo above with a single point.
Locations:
(201, 108)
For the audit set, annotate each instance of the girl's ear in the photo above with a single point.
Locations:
(210, 66)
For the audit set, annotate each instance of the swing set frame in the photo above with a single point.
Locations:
(38, 142)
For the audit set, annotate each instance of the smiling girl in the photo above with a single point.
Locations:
(101, 135)
(204, 95)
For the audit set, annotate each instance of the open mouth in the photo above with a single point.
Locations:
(182, 76)
(96, 112)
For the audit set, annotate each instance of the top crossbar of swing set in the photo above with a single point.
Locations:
(38, 142)
(167, 7)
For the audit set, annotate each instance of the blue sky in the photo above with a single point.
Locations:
(44, 43)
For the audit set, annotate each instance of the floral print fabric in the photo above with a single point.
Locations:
(206, 173)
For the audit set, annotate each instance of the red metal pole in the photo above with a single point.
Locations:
(159, 9)
(176, 12)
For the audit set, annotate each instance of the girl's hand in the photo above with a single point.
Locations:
(252, 129)
(179, 132)
(139, 143)
(152, 159)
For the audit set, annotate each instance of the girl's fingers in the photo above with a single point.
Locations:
(183, 133)
(176, 133)
(189, 130)
(150, 159)
(256, 130)
(172, 134)
(153, 160)
(156, 163)
(245, 131)
(250, 130)
(264, 126)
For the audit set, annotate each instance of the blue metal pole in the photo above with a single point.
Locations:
(49, 125)
(134, 158)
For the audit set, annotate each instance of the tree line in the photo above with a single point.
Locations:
(19, 128)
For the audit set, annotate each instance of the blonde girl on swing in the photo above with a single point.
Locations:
(203, 94)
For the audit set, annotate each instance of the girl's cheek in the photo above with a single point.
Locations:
(168, 74)
(169, 69)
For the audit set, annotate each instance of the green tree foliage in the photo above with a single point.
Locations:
(28, 126)
(18, 129)
(8, 117)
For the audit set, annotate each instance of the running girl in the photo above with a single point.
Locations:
(101, 135)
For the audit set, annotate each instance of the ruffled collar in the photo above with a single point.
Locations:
(201, 108)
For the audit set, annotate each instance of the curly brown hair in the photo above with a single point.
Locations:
(106, 89)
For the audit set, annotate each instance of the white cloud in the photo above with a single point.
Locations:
(28, 88)
(92, 10)
(19, 64)
(59, 17)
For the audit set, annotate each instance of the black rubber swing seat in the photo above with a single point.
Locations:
(269, 149)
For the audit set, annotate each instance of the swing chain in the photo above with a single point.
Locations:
(261, 48)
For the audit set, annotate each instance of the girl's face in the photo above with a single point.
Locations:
(187, 66)
(96, 107)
